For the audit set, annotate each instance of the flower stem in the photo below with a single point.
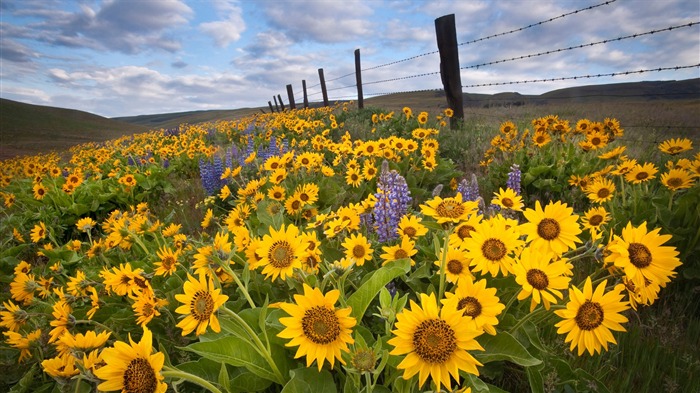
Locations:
(525, 319)
(443, 262)
(260, 347)
(170, 372)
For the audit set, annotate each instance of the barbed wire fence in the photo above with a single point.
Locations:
(449, 68)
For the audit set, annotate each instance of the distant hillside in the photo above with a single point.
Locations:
(30, 129)
(170, 120)
(27, 129)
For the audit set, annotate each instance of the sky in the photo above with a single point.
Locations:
(133, 57)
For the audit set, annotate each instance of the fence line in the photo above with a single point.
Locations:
(580, 46)
(455, 75)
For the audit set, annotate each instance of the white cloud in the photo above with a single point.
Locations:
(321, 21)
(228, 30)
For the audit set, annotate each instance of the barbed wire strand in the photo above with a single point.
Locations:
(582, 76)
(536, 24)
(581, 46)
(401, 78)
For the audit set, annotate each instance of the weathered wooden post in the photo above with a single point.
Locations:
(358, 78)
(271, 109)
(290, 95)
(306, 97)
(449, 66)
(276, 104)
(279, 97)
(323, 87)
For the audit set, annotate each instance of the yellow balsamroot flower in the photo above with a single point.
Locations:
(39, 191)
(478, 304)
(616, 152)
(38, 232)
(84, 342)
(12, 317)
(456, 265)
(132, 367)
(404, 250)
(435, 342)
(277, 193)
(422, 118)
(675, 146)
(62, 320)
(595, 218)
(553, 228)
(410, 226)
(281, 252)
(491, 247)
(642, 255)
(677, 179)
(168, 262)
(540, 277)
(508, 199)
(600, 190)
(145, 307)
(641, 173)
(320, 330)
(449, 210)
(590, 316)
(62, 366)
(23, 343)
(408, 112)
(23, 287)
(353, 177)
(357, 249)
(200, 301)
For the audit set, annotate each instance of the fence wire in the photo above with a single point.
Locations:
(536, 24)
(582, 76)
(581, 46)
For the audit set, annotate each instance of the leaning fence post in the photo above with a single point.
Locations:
(323, 87)
(279, 97)
(449, 66)
(272, 110)
(276, 104)
(290, 94)
(358, 78)
(306, 97)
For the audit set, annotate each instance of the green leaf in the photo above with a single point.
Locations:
(244, 381)
(503, 346)
(476, 384)
(234, 351)
(309, 380)
(224, 378)
(203, 368)
(536, 381)
(360, 300)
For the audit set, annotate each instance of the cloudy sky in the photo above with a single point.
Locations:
(130, 57)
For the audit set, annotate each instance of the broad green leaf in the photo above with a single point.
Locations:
(309, 380)
(360, 300)
(245, 382)
(203, 368)
(535, 378)
(503, 346)
(234, 351)
(476, 384)
(224, 378)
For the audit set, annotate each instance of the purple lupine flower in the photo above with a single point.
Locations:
(210, 173)
(514, 178)
(469, 189)
(391, 286)
(393, 200)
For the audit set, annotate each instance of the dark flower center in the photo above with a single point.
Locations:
(494, 249)
(589, 316)
(139, 377)
(281, 255)
(450, 209)
(640, 256)
(548, 229)
(537, 278)
(470, 305)
(320, 325)
(202, 305)
(434, 341)
(454, 266)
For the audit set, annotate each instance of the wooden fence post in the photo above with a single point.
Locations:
(276, 104)
(290, 94)
(358, 78)
(306, 97)
(279, 97)
(449, 66)
(272, 110)
(323, 87)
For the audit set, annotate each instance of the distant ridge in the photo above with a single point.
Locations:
(27, 129)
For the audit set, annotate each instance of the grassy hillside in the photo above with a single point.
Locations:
(642, 106)
(30, 129)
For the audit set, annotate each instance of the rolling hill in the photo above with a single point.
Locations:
(30, 129)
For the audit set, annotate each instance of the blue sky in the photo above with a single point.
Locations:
(131, 57)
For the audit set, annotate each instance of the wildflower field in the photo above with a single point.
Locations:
(335, 249)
